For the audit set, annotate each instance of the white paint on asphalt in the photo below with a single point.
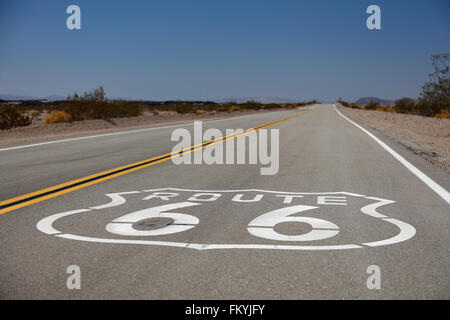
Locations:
(201, 247)
(371, 209)
(257, 190)
(263, 226)
(46, 225)
(444, 194)
(116, 200)
(181, 222)
(407, 231)
(322, 229)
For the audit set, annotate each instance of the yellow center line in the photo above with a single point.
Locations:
(91, 179)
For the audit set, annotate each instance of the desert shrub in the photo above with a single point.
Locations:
(210, 107)
(380, 108)
(405, 105)
(57, 116)
(94, 105)
(444, 114)
(354, 106)
(343, 103)
(234, 108)
(278, 106)
(390, 109)
(36, 114)
(10, 118)
(251, 104)
(435, 95)
(371, 106)
(85, 110)
(183, 108)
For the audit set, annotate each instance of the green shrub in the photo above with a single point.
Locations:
(10, 118)
(405, 105)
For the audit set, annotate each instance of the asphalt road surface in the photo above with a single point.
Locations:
(339, 204)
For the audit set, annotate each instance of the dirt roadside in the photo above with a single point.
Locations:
(38, 131)
(425, 136)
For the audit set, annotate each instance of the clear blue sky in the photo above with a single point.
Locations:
(202, 49)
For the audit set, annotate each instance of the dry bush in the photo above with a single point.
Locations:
(183, 108)
(252, 105)
(405, 105)
(234, 108)
(435, 96)
(10, 118)
(57, 116)
(343, 103)
(94, 105)
(85, 110)
(444, 114)
(390, 109)
(371, 106)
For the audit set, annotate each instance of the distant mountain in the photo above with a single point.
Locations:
(259, 99)
(54, 97)
(16, 97)
(367, 100)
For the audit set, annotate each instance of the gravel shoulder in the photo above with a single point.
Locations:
(39, 131)
(425, 136)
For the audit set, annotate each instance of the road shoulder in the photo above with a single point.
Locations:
(426, 137)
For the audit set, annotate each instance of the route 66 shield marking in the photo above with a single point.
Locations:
(166, 219)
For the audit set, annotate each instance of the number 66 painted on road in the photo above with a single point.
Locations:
(181, 222)
(262, 226)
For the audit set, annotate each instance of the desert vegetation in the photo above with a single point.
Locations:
(95, 105)
(434, 100)
(10, 118)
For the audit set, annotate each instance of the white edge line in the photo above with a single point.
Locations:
(183, 124)
(444, 194)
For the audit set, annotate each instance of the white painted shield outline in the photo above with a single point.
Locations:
(406, 230)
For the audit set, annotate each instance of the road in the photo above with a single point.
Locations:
(348, 204)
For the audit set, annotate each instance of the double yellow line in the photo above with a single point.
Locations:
(66, 187)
